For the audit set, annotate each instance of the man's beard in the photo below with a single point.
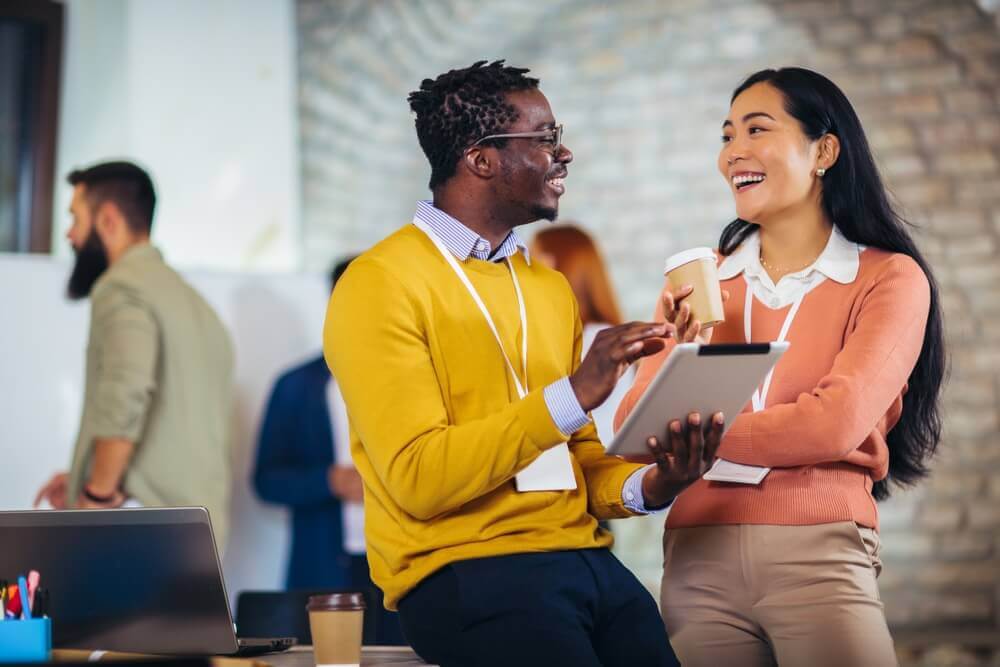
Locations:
(535, 211)
(545, 213)
(91, 262)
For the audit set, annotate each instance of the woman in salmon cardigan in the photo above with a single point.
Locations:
(784, 571)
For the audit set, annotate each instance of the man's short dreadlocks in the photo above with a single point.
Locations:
(461, 106)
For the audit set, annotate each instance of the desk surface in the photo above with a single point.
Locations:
(297, 656)
(371, 656)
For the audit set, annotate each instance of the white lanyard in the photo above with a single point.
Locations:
(759, 398)
(727, 471)
(553, 469)
(522, 390)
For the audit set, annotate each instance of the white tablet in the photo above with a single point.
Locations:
(697, 378)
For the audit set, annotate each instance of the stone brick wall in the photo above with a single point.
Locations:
(642, 88)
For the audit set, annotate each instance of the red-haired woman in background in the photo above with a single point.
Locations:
(573, 252)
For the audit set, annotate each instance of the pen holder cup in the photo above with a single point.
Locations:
(28, 640)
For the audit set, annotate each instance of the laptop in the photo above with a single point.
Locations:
(143, 580)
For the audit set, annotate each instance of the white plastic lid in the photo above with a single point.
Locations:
(686, 257)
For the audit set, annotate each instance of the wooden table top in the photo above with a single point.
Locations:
(371, 656)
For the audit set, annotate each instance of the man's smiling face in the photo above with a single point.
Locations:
(532, 169)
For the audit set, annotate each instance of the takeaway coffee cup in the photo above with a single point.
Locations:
(697, 267)
(336, 621)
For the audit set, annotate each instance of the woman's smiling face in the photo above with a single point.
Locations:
(766, 158)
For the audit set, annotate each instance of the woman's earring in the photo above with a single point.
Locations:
(821, 172)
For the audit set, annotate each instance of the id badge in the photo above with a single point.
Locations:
(551, 471)
(737, 473)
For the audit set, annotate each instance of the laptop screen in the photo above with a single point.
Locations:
(145, 580)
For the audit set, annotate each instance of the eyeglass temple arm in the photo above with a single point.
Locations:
(514, 135)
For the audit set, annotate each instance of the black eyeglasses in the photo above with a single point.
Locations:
(554, 134)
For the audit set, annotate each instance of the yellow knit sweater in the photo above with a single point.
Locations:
(437, 429)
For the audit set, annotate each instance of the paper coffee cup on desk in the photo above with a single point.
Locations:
(697, 267)
(336, 623)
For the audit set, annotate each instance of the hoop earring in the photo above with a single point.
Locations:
(821, 172)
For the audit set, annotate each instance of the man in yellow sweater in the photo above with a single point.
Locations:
(459, 360)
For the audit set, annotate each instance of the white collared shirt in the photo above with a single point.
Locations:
(839, 261)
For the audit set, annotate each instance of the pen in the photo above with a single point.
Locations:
(33, 578)
(41, 608)
(22, 588)
(13, 602)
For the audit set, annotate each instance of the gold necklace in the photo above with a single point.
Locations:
(777, 269)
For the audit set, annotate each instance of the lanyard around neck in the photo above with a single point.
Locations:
(759, 398)
(450, 258)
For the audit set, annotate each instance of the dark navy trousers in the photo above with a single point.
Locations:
(581, 608)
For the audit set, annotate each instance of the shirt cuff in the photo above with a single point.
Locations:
(632, 493)
(566, 412)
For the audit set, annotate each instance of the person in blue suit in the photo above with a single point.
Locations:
(304, 463)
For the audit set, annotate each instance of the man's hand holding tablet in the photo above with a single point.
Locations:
(686, 452)
(681, 458)
(683, 452)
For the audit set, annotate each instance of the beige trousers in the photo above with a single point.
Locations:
(793, 596)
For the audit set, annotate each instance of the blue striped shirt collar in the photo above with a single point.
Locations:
(462, 241)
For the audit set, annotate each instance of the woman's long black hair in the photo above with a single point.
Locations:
(855, 200)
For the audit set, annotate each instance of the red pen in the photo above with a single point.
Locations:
(13, 601)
